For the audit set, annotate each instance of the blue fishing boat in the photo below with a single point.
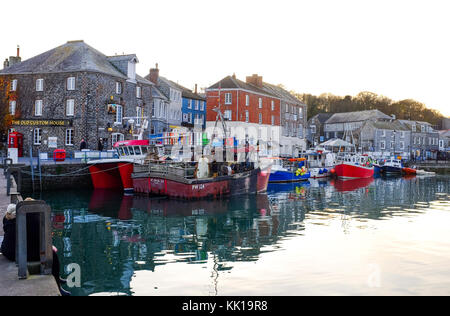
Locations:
(288, 170)
(392, 166)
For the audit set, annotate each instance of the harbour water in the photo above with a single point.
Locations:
(363, 237)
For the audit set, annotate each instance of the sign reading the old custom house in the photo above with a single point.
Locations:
(42, 122)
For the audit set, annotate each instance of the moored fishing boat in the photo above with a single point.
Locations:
(116, 173)
(288, 170)
(392, 166)
(320, 163)
(199, 180)
(354, 167)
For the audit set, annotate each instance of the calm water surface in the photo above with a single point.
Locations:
(364, 237)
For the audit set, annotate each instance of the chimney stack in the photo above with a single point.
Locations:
(255, 80)
(6, 63)
(18, 51)
(154, 74)
(195, 91)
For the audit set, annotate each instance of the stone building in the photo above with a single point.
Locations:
(424, 139)
(316, 133)
(172, 93)
(385, 138)
(340, 124)
(74, 92)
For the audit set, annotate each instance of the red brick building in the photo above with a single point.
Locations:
(260, 109)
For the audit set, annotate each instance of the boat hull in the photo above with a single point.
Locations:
(254, 181)
(349, 171)
(287, 176)
(409, 171)
(317, 173)
(112, 175)
(391, 170)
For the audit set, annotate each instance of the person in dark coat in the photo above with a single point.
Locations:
(8, 247)
(83, 144)
(100, 145)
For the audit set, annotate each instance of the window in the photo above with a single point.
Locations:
(71, 83)
(14, 85)
(247, 116)
(313, 129)
(138, 116)
(190, 117)
(247, 100)
(37, 136)
(260, 103)
(392, 145)
(228, 115)
(196, 105)
(118, 114)
(414, 128)
(38, 108)
(383, 145)
(260, 118)
(70, 107)
(300, 112)
(189, 104)
(69, 137)
(227, 98)
(12, 107)
(138, 92)
(273, 120)
(116, 137)
(272, 105)
(422, 128)
(402, 134)
(40, 85)
(402, 145)
(287, 108)
(118, 87)
(383, 133)
(202, 105)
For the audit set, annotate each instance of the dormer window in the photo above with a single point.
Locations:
(132, 69)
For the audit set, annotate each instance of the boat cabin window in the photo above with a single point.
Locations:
(126, 152)
(120, 150)
(130, 149)
(137, 150)
(144, 150)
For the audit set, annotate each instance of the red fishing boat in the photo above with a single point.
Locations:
(354, 167)
(116, 173)
(186, 181)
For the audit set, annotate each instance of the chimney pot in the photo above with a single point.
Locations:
(18, 51)
(195, 91)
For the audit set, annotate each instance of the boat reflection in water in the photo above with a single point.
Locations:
(351, 185)
(113, 235)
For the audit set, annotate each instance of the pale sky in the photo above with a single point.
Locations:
(400, 49)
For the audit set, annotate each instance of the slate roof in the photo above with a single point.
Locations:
(281, 93)
(357, 116)
(187, 93)
(158, 94)
(394, 125)
(322, 117)
(230, 82)
(74, 56)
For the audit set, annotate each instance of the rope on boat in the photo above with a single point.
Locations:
(74, 173)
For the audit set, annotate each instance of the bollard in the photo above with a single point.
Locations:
(5, 165)
(46, 254)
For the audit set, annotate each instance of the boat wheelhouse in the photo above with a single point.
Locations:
(392, 166)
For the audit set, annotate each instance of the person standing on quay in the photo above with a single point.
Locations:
(83, 144)
(100, 145)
